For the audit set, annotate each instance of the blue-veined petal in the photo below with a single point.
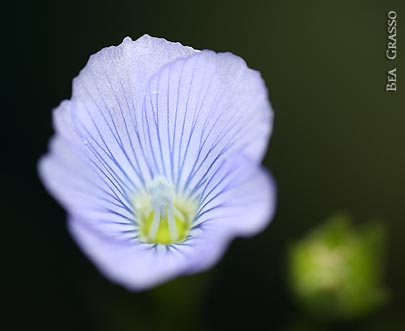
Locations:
(199, 110)
(238, 200)
(101, 124)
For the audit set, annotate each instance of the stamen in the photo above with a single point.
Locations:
(164, 216)
(155, 225)
(174, 234)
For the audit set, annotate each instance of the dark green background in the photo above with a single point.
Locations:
(338, 143)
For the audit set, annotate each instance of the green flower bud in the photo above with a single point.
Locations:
(336, 270)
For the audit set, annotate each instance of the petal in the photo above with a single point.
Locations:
(249, 207)
(108, 96)
(239, 199)
(72, 181)
(129, 263)
(199, 110)
(97, 151)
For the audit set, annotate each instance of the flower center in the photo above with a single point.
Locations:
(164, 216)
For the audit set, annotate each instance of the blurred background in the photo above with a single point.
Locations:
(337, 146)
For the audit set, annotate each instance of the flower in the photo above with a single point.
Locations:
(156, 158)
